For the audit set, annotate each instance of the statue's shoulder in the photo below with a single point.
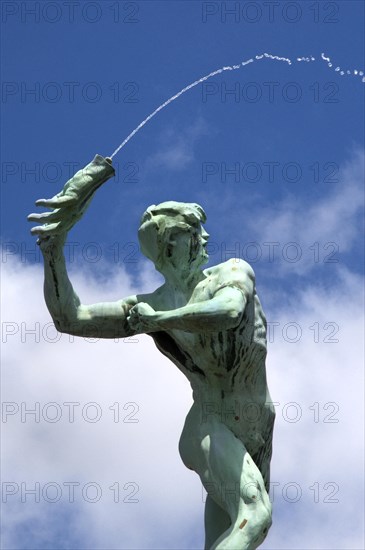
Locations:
(232, 273)
(234, 268)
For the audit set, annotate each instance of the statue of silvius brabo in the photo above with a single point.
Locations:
(209, 323)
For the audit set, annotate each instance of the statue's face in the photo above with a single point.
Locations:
(171, 235)
(187, 248)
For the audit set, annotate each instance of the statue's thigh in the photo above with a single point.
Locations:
(228, 472)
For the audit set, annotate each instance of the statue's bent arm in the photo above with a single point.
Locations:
(234, 285)
(230, 286)
(221, 312)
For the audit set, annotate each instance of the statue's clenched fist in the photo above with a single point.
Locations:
(142, 318)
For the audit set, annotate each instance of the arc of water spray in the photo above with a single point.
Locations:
(342, 72)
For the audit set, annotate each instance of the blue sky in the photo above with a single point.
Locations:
(274, 154)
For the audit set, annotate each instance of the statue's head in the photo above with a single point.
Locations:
(171, 234)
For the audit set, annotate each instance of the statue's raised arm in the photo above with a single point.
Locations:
(103, 320)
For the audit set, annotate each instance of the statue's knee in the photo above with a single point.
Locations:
(265, 511)
(258, 501)
(264, 522)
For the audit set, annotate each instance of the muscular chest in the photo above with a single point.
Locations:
(190, 341)
(167, 300)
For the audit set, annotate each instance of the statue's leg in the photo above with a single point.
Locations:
(231, 479)
(216, 521)
(238, 487)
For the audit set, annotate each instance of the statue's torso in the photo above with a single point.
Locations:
(226, 368)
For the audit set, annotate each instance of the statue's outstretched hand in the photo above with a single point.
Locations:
(69, 205)
(142, 318)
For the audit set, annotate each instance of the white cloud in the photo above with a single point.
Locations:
(333, 218)
(318, 385)
(169, 513)
(294, 235)
(39, 369)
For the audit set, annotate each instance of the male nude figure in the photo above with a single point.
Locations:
(210, 324)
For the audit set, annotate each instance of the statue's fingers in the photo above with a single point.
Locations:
(45, 230)
(56, 202)
(42, 240)
(48, 217)
(132, 321)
